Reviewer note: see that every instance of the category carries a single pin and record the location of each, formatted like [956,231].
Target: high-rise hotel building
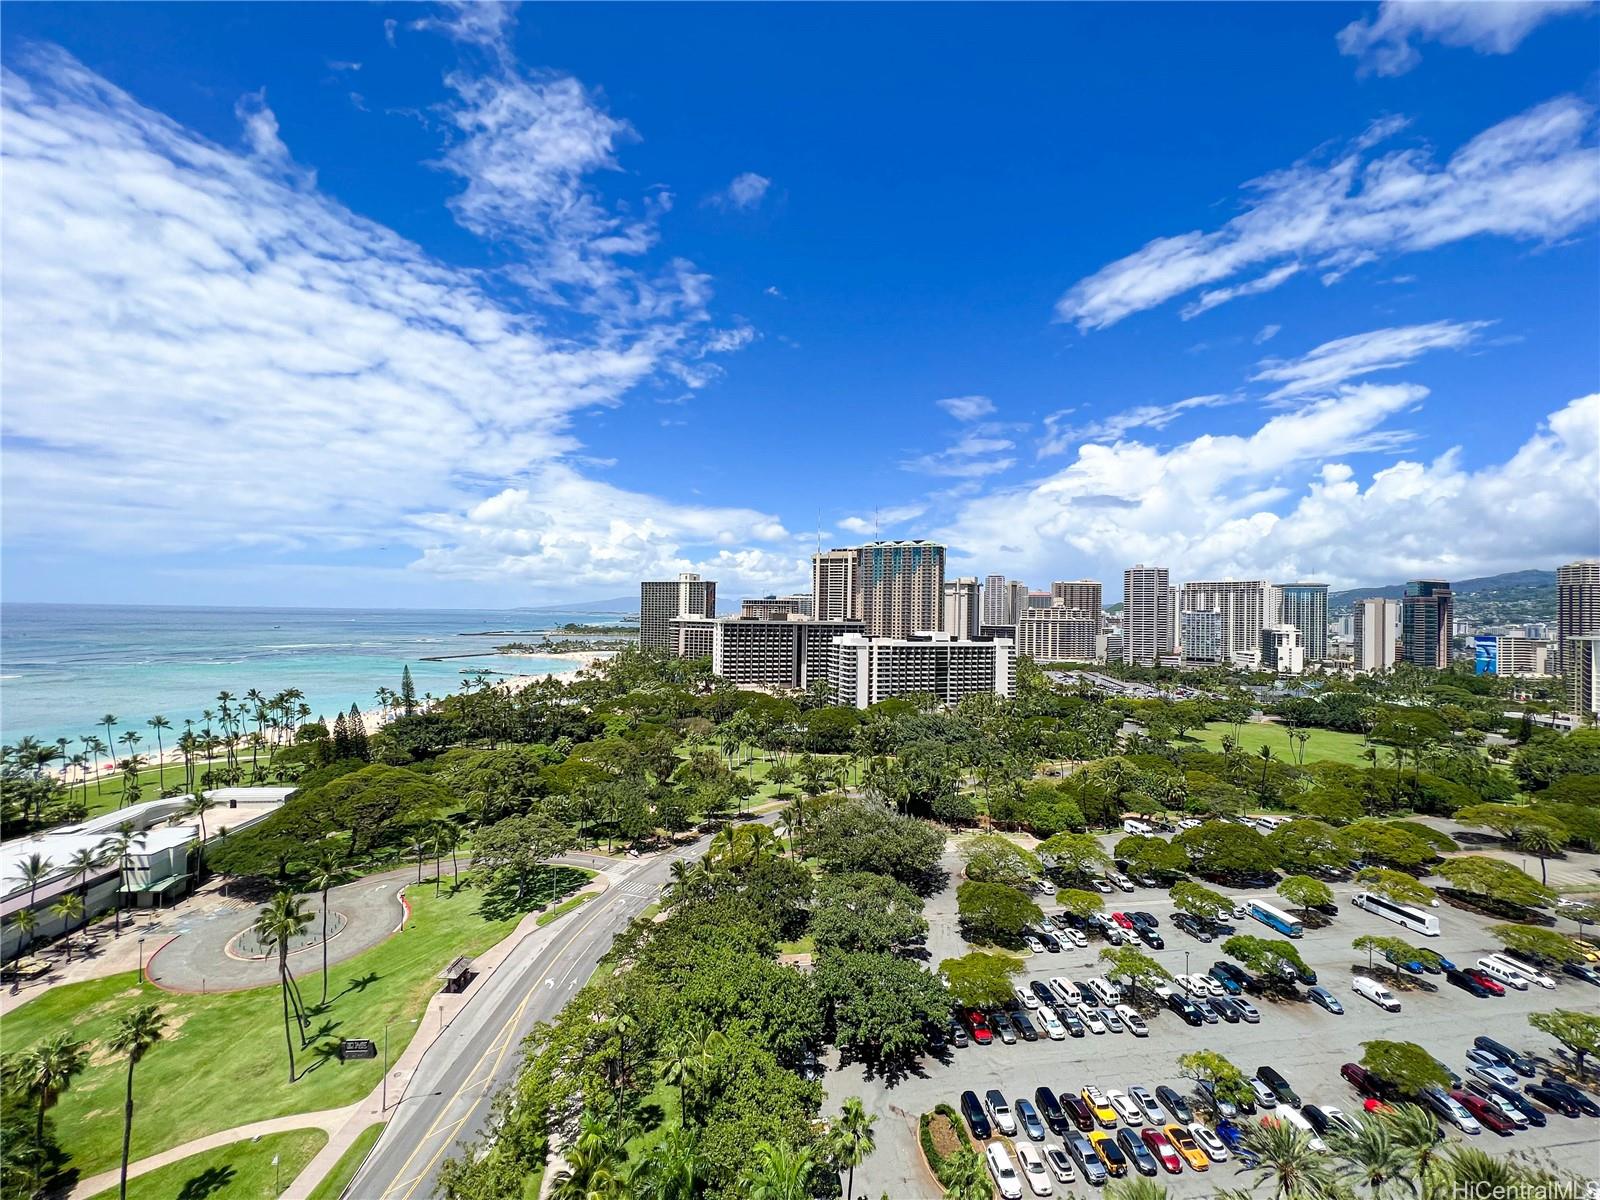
[995,600]
[1244,609]
[1060,634]
[1375,628]
[963,614]
[1082,594]
[864,670]
[1146,614]
[661,600]
[899,587]
[1305,606]
[833,585]
[1427,611]
[1578,617]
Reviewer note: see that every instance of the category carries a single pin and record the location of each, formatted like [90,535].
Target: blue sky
[409,305]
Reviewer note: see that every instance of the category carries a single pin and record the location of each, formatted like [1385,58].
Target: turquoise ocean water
[63,666]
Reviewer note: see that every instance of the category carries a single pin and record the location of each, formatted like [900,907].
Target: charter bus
[1401,914]
[1279,920]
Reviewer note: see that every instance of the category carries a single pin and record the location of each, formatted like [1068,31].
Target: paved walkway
[344,1125]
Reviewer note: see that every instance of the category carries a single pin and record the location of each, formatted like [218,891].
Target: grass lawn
[190,1083]
[1325,744]
[564,908]
[345,1169]
[240,1171]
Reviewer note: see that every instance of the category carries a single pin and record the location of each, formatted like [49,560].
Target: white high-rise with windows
[995,597]
[833,585]
[962,612]
[1243,605]
[1146,614]
[1376,632]
[1082,594]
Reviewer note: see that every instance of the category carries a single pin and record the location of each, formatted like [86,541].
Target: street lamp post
[141,962]
[1185,962]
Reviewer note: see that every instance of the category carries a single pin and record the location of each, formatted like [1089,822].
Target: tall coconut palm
[68,908]
[133,1036]
[93,746]
[279,922]
[82,861]
[966,1177]
[159,723]
[1289,1164]
[121,845]
[45,1071]
[325,872]
[852,1140]
[592,1171]
[33,871]
[1414,1130]
[1543,840]
[198,806]
[1373,1159]
[778,1171]
[24,921]
[110,720]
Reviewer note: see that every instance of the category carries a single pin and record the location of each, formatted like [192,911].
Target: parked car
[979,1025]
[1191,926]
[1450,1109]
[1147,1104]
[1127,1108]
[1364,985]
[1520,1063]
[1052,1027]
[1091,1018]
[1279,1085]
[1582,971]
[1000,1022]
[1028,1119]
[1225,1008]
[1530,1112]
[1066,990]
[1225,980]
[1034,1173]
[1467,984]
[1083,1153]
[1052,944]
[1033,943]
[1553,1099]
[1109,1153]
[1323,998]
[1123,920]
[1223,1108]
[1216,1150]
[1486,1114]
[977,1119]
[1152,939]
[1506,1108]
[1503,974]
[1159,1151]
[1202,1005]
[1060,1165]
[1486,981]
[1071,1020]
[1102,1108]
[1038,994]
[1055,1118]
[1004,1171]
[957,1033]
[1175,1104]
[1000,1112]
[1183,1142]
[1414,965]
[1233,1137]
[1249,1011]
[1131,1018]
[1044,887]
[1363,1080]
[1265,1097]
[1135,1151]
[1025,1026]
[1488,1066]
[1078,1112]
[1585,1103]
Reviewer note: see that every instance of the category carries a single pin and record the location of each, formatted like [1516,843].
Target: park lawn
[563,908]
[336,1180]
[1326,744]
[239,1171]
[190,1083]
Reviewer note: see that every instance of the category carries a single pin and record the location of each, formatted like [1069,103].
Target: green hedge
[936,1161]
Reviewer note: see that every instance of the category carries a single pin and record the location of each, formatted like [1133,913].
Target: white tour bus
[1413,919]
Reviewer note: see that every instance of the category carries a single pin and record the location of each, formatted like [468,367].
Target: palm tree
[120,845]
[1373,1159]
[1288,1161]
[108,721]
[591,1172]
[47,1070]
[33,871]
[133,1035]
[24,921]
[1135,1188]
[158,723]
[325,872]
[68,907]
[778,1172]
[966,1177]
[1413,1129]
[1266,756]
[198,806]
[283,919]
[94,746]
[1543,840]
[852,1140]
[83,861]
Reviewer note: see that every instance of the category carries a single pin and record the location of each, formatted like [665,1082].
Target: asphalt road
[448,1098]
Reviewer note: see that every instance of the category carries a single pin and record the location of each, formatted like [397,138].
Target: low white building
[863,670]
[1282,650]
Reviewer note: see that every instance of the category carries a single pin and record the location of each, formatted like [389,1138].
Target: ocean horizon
[64,666]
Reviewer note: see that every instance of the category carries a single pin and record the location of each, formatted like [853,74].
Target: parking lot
[1302,1041]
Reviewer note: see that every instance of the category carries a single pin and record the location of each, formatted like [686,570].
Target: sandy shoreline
[374,718]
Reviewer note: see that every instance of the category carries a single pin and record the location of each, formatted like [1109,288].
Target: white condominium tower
[661,600]
[863,670]
[833,585]
[1376,630]
[899,587]
[1243,605]
[995,596]
[1577,616]
[1082,594]
[1060,634]
[962,612]
[1146,614]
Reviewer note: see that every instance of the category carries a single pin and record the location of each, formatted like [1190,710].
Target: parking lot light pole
[1185,962]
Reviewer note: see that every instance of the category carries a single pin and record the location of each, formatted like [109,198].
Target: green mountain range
[1515,596]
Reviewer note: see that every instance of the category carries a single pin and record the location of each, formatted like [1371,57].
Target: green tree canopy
[864,912]
[1484,876]
[1540,943]
[993,912]
[1225,848]
[1076,855]
[1274,959]
[1304,892]
[1395,885]
[991,858]
[1080,903]
[1579,1032]
[1405,1065]
[1207,1066]
[1142,972]
[1152,857]
[862,835]
[882,1005]
[979,979]
[1308,846]
[1200,901]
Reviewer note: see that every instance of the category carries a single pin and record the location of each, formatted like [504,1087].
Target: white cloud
[1268,332]
[894,515]
[1332,363]
[1283,502]
[1060,437]
[967,408]
[1383,42]
[772,290]
[745,192]
[204,353]
[1254,287]
[1531,177]
[971,456]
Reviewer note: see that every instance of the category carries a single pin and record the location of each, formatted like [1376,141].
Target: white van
[1131,826]
[1268,824]
[1285,1113]
[1108,993]
[1004,1171]
[1532,974]
[1067,990]
[1376,992]
[1497,970]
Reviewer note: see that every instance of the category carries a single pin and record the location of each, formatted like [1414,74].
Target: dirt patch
[945,1139]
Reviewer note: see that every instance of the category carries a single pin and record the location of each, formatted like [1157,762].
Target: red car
[1360,1078]
[1375,1106]
[1488,1115]
[978,1024]
[1122,919]
[1487,982]
[1156,1142]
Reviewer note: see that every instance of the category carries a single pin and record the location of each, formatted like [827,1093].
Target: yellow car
[1110,1154]
[1104,1111]
[1183,1142]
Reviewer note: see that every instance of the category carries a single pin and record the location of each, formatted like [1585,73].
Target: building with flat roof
[963,611]
[690,636]
[1305,606]
[1201,640]
[1427,613]
[661,600]
[1060,634]
[899,587]
[1082,594]
[1146,614]
[995,598]
[1242,603]
[1577,604]
[1375,632]
[833,585]
[864,670]
[1282,650]
[1580,663]
[769,606]
[1513,655]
